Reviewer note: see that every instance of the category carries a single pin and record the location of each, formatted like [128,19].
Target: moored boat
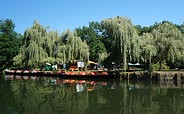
[68,74]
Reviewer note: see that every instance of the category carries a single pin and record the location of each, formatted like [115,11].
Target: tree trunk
[160,67]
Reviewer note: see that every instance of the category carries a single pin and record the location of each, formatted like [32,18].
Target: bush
[157,66]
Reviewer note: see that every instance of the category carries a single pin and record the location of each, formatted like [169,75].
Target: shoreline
[130,75]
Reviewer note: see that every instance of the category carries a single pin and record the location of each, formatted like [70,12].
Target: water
[46,95]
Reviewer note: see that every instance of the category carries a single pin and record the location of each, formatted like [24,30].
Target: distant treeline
[114,40]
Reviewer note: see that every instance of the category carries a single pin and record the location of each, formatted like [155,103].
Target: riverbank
[130,75]
[156,75]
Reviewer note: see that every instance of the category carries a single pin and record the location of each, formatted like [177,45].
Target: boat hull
[66,74]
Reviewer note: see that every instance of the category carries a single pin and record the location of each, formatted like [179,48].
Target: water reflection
[79,87]
[54,95]
[90,85]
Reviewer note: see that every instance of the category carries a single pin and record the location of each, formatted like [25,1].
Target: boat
[62,73]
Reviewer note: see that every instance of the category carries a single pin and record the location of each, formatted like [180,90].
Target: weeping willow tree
[102,57]
[148,49]
[74,48]
[51,43]
[32,51]
[40,46]
[168,41]
[126,44]
[51,47]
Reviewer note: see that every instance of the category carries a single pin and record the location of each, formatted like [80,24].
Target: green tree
[168,41]
[74,48]
[93,37]
[141,30]
[125,44]
[148,49]
[96,49]
[9,43]
[33,49]
[41,46]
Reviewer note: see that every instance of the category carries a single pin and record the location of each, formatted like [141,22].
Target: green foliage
[96,48]
[9,43]
[102,57]
[112,40]
[75,48]
[168,41]
[157,66]
[7,27]
[93,37]
[125,39]
[148,49]
[40,46]
[141,30]
[33,49]
[50,60]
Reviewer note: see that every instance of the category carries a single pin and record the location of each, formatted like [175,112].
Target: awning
[91,62]
[48,64]
[136,64]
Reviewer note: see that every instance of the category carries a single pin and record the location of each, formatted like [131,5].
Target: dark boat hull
[64,75]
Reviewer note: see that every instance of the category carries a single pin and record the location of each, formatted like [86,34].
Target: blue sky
[70,14]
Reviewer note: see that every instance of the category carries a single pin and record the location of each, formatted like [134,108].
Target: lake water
[46,95]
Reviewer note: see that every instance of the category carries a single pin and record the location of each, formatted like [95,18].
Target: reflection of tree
[144,97]
[149,99]
[6,96]
[31,97]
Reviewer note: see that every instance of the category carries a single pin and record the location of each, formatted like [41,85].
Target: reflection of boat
[90,85]
[90,88]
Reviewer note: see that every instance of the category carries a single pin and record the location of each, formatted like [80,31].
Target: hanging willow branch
[126,45]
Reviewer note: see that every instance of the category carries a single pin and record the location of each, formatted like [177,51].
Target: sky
[61,15]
